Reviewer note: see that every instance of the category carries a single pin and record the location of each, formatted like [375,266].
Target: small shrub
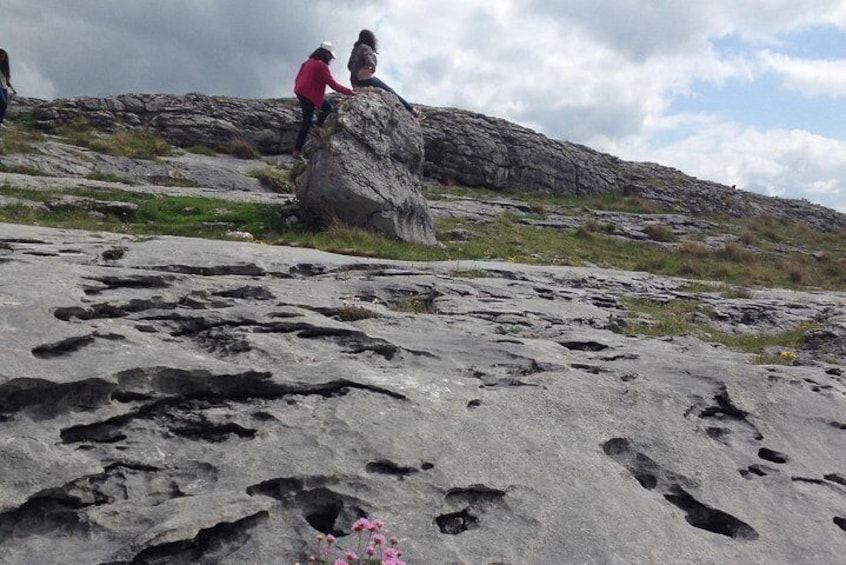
[275,180]
[114,253]
[354,310]
[242,149]
[737,292]
[765,226]
[734,251]
[695,249]
[416,305]
[200,149]
[746,238]
[795,271]
[660,232]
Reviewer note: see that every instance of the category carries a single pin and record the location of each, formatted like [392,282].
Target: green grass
[14,141]
[184,216]
[111,178]
[614,201]
[275,179]
[676,317]
[737,266]
[135,144]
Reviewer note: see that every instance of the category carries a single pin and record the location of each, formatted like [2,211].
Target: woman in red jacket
[310,87]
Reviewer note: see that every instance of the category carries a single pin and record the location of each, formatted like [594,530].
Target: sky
[749,93]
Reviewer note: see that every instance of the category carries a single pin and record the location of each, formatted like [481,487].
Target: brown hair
[323,54]
[366,37]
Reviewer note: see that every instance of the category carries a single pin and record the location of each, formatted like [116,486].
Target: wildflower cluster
[788,357]
[355,309]
[372,547]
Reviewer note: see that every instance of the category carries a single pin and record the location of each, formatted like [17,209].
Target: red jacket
[312,80]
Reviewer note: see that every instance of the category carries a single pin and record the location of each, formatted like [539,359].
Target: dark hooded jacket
[362,63]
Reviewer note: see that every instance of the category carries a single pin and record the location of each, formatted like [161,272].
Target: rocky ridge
[461,147]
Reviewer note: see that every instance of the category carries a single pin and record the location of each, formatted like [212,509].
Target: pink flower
[340,562]
[330,539]
[379,540]
[370,551]
[393,561]
[390,553]
[394,541]
[361,524]
[351,556]
[376,525]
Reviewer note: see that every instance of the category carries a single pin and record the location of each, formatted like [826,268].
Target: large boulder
[365,170]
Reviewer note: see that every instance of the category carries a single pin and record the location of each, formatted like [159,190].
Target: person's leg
[4,103]
[308,114]
[378,83]
[324,113]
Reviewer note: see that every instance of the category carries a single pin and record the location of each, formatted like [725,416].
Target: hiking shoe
[298,156]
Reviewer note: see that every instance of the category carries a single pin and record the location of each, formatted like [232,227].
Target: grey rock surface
[169,400]
[366,170]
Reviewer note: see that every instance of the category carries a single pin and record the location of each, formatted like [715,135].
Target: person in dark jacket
[5,84]
[310,87]
[362,66]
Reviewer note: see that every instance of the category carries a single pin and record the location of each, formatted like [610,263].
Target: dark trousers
[379,84]
[308,109]
[4,103]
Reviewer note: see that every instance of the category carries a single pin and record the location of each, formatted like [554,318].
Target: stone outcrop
[460,148]
[365,170]
[171,400]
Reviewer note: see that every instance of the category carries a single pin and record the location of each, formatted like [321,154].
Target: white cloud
[604,73]
[787,163]
[808,77]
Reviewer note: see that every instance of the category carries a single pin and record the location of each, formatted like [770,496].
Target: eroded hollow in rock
[457,522]
[710,519]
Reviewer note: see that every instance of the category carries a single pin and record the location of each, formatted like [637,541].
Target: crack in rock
[188,394]
[210,545]
[671,486]
[772,456]
[387,467]
[106,310]
[132,282]
[247,270]
[60,509]
[71,345]
[474,500]
[45,399]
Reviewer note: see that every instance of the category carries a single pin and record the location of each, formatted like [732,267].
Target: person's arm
[333,84]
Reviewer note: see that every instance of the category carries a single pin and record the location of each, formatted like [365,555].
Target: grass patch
[240,149]
[165,215]
[111,178]
[135,144]
[21,170]
[614,201]
[354,313]
[505,239]
[200,149]
[15,141]
[274,179]
[678,317]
